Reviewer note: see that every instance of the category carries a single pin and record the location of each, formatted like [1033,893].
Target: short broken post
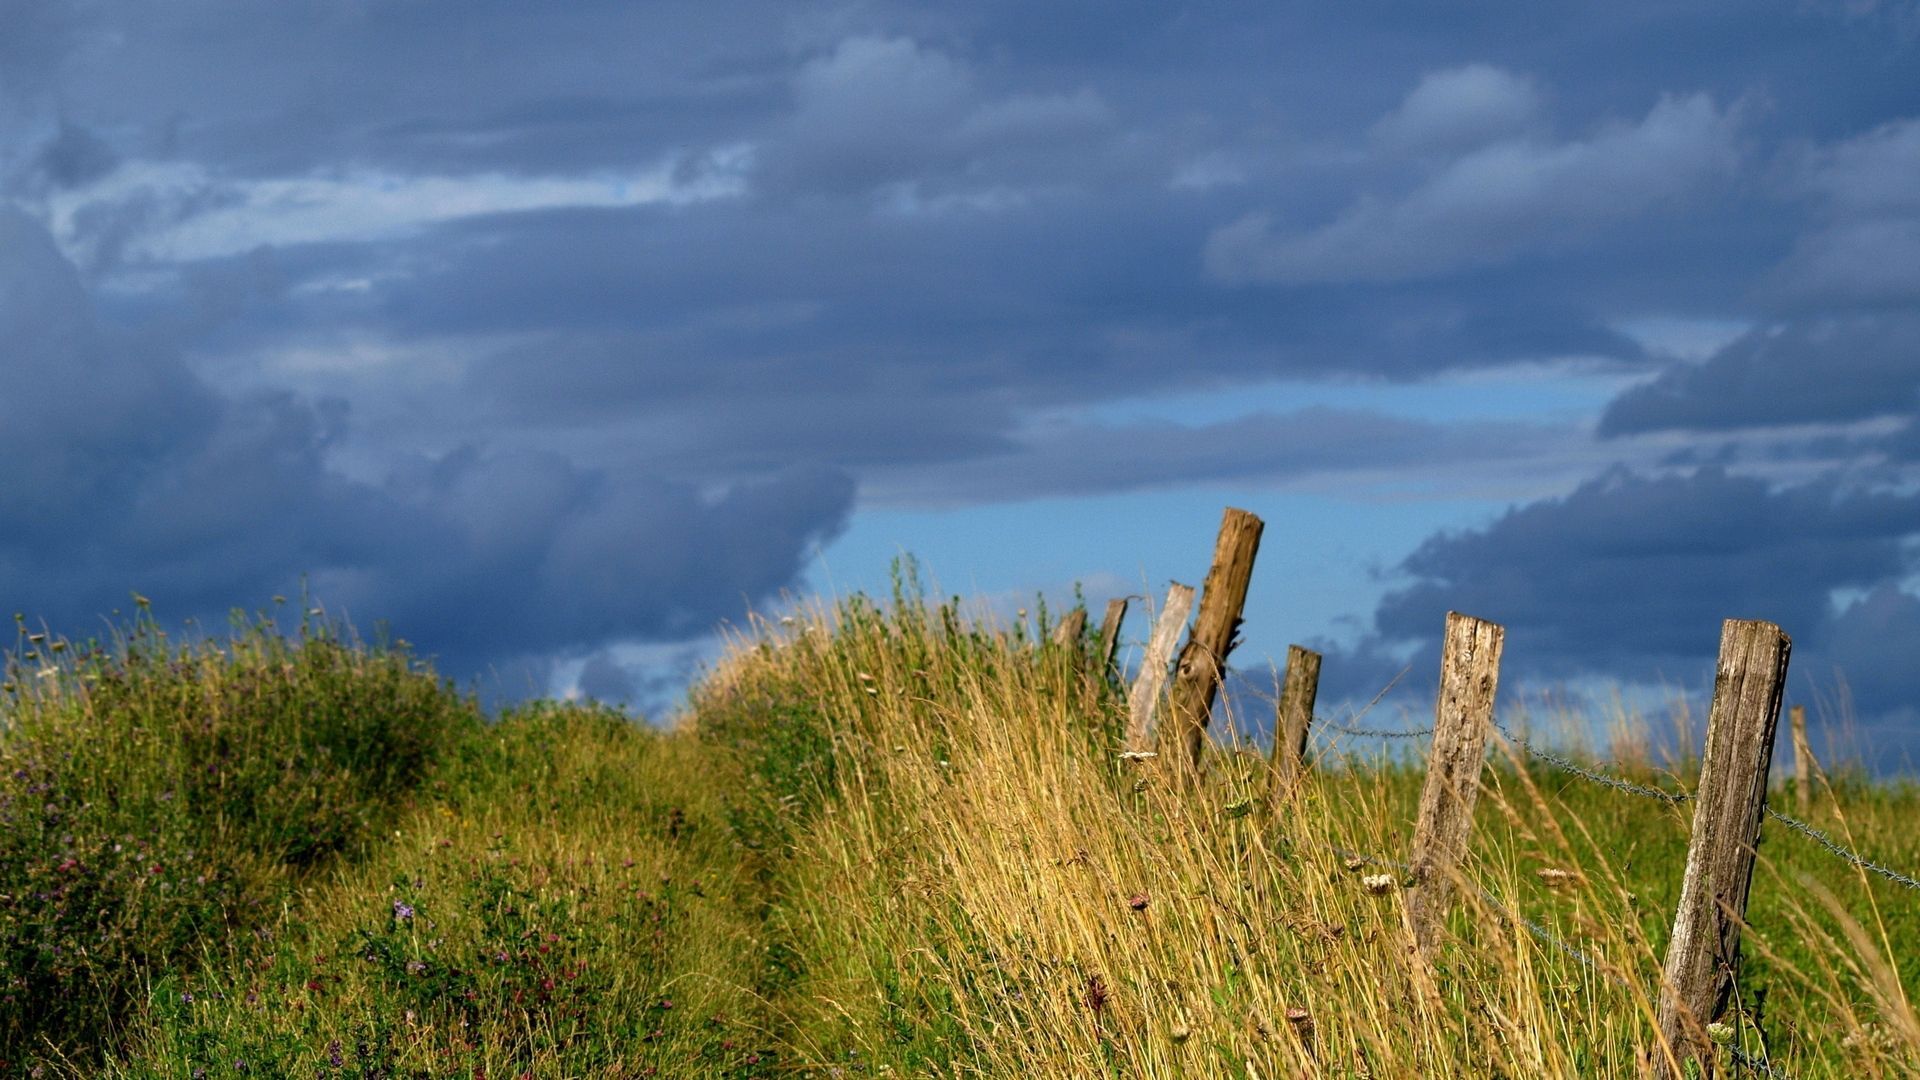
[1462,721]
[1203,662]
[1144,697]
[1291,719]
[1704,952]
[1802,760]
[1072,628]
[1110,635]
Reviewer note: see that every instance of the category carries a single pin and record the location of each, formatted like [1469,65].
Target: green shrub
[158,801]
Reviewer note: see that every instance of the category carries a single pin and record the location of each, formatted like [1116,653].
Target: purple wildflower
[402,910]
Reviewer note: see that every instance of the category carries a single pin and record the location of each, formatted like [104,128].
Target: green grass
[885,841]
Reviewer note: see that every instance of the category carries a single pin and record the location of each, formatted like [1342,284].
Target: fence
[1729,804]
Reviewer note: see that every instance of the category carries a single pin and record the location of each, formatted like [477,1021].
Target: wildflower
[186,998]
[1378,884]
[402,910]
[1097,996]
[1353,862]
[1719,1032]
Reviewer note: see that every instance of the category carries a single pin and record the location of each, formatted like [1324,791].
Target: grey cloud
[1071,459]
[604,680]
[75,156]
[1827,370]
[1865,248]
[1496,203]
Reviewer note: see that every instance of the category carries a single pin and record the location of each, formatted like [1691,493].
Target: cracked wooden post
[1144,696]
[1462,719]
[1702,955]
[1110,635]
[1802,760]
[1203,662]
[1072,628]
[1291,718]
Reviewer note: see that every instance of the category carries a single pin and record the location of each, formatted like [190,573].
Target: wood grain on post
[1197,675]
[1462,719]
[1292,717]
[1144,696]
[1802,760]
[1110,635]
[1072,628]
[1705,948]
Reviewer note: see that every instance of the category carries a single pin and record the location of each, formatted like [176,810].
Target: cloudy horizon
[554,338]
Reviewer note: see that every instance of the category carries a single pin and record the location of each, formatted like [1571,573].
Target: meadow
[886,838]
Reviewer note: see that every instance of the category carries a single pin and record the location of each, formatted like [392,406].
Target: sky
[554,337]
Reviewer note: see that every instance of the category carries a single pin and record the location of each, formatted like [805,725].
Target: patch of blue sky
[1324,562]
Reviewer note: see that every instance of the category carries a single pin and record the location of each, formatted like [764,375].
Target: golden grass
[989,889]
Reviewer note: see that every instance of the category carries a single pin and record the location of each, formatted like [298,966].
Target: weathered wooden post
[1073,626]
[1291,718]
[1144,695]
[1203,662]
[1110,635]
[1701,957]
[1462,720]
[1802,760]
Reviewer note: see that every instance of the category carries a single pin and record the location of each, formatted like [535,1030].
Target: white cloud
[1495,203]
[1458,109]
[206,216]
[879,87]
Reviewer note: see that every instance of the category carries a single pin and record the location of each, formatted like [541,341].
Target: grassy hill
[885,841]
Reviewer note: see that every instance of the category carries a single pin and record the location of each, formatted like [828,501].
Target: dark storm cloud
[127,471]
[1632,575]
[890,247]
[1810,371]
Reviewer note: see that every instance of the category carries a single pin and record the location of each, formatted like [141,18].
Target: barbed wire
[1373,733]
[1606,779]
[1839,852]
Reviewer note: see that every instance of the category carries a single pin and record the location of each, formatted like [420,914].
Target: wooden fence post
[1291,718]
[1204,660]
[1802,760]
[1110,635]
[1462,719]
[1144,696]
[1727,809]
[1073,626]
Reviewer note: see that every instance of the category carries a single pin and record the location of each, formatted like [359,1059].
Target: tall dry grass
[979,884]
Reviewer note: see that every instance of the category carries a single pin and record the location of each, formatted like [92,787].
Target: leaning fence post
[1145,693]
[1073,626]
[1462,719]
[1747,684]
[1291,718]
[1802,760]
[1110,635]
[1204,660]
